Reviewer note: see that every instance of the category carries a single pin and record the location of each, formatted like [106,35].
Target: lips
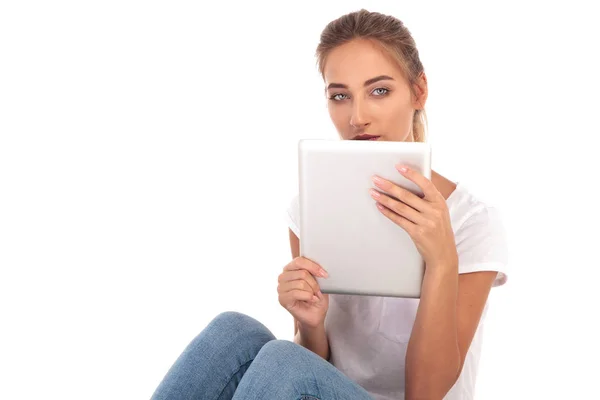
[365,136]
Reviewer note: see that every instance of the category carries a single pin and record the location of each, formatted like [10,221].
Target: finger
[398,207]
[305,263]
[399,220]
[301,274]
[403,195]
[429,190]
[298,295]
[322,296]
[298,284]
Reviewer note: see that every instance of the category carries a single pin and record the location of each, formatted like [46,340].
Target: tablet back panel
[341,229]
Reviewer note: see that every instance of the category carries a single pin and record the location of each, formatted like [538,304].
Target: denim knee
[281,349]
[296,373]
[289,359]
[238,325]
[233,318]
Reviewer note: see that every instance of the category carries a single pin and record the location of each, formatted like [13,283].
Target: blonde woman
[367,347]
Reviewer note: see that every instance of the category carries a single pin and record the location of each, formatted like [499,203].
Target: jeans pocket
[397,318]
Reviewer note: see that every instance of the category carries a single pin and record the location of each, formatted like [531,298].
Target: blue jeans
[236,357]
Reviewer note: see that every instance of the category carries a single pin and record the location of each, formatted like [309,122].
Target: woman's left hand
[426,219]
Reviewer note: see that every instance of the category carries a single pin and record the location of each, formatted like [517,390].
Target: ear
[420,89]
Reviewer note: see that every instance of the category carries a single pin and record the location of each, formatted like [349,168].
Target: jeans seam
[309,396]
[232,375]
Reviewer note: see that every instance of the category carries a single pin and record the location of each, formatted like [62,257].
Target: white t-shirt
[368,335]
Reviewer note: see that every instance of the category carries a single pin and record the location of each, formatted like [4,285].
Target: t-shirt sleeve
[482,246]
[293,216]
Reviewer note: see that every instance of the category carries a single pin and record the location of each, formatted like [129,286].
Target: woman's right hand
[299,292]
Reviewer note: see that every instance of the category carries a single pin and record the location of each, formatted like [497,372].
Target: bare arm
[447,318]
[451,304]
[313,339]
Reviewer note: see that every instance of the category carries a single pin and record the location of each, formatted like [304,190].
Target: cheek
[401,115]
[338,117]
[404,117]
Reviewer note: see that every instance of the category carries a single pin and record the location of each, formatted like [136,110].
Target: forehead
[358,60]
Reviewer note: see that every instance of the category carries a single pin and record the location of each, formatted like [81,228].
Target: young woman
[366,347]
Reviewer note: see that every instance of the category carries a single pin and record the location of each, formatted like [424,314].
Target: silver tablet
[342,230]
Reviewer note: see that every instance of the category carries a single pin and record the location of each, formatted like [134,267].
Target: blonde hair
[389,33]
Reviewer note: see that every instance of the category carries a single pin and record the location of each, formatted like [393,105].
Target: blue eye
[380,91]
[336,97]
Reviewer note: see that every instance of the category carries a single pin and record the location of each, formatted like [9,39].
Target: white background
[148,155]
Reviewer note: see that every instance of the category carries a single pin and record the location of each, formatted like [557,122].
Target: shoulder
[480,234]
[467,209]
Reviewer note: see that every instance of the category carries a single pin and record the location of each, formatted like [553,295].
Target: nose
[359,118]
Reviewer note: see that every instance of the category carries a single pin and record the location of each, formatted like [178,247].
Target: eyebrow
[367,82]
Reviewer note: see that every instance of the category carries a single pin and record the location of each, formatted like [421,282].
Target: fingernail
[315,298]
[319,293]
[375,194]
[377,180]
[323,273]
[401,168]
